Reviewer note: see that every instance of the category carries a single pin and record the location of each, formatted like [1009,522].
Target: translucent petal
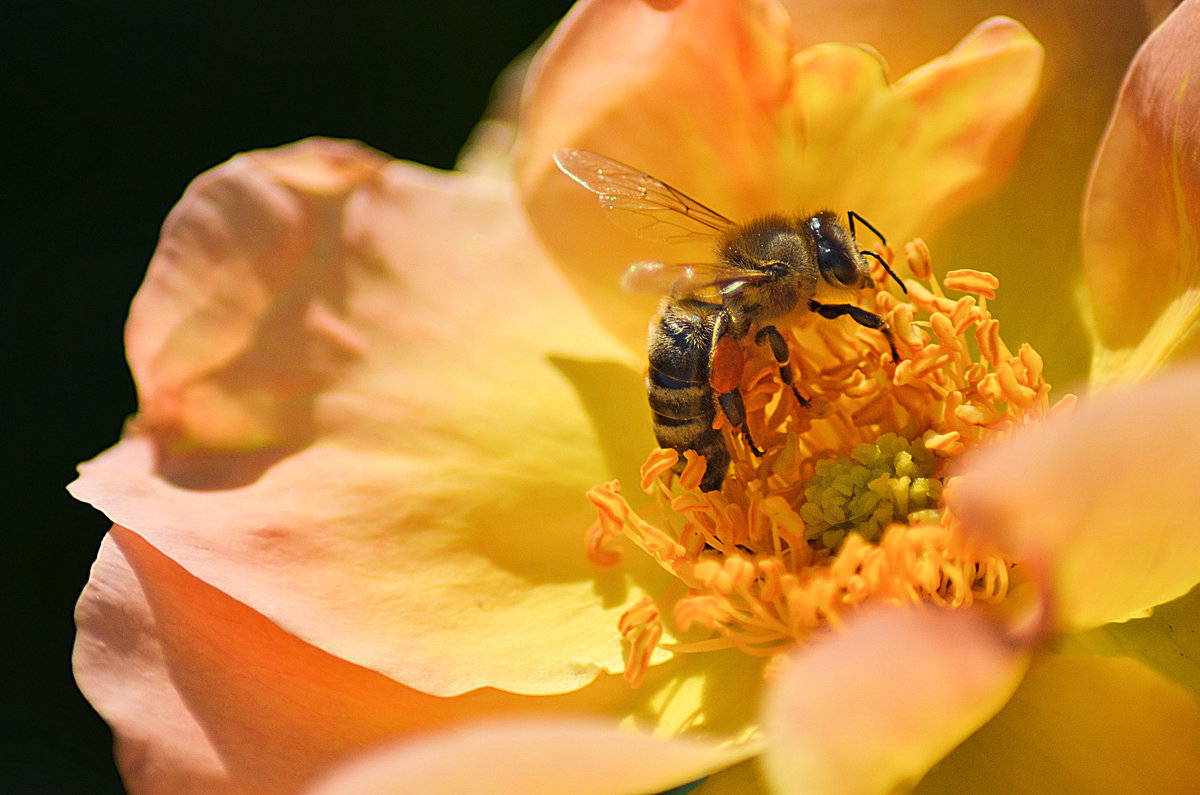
[1141,248]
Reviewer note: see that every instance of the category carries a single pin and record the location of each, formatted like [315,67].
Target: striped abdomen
[682,401]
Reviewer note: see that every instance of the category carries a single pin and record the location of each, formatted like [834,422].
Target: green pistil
[889,480]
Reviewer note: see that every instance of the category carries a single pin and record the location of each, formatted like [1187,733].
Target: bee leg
[725,375]
[735,411]
[779,349]
[860,316]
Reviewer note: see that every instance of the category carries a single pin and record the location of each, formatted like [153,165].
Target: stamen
[844,506]
[971,281]
[641,630]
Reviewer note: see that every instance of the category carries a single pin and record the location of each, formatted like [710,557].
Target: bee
[763,270]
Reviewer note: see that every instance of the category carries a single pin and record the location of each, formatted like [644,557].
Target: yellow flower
[351,508]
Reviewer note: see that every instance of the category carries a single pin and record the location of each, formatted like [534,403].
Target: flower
[350,508]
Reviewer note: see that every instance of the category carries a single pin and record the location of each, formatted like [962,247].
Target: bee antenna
[887,268]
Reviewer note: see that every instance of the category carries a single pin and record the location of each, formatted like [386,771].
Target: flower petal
[372,410]
[744,778]
[1166,640]
[972,106]
[711,97]
[1033,216]
[685,100]
[202,691]
[1081,724]
[871,710]
[1141,249]
[526,757]
[1100,503]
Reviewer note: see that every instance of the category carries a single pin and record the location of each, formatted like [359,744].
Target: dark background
[107,111]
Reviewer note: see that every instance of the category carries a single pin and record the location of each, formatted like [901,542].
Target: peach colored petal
[1081,724]
[236,325]
[871,710]
[712,97]
[678,89]
[372,412]
[206,694]
[1141,248]
[489,148]
[1100,503]
[527,757]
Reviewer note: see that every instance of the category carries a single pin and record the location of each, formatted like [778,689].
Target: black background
[107,111]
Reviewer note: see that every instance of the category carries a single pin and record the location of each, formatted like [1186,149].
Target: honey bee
[764,270]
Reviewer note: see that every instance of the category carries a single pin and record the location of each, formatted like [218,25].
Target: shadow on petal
[614,398]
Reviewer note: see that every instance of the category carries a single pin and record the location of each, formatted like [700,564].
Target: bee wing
[646,206]
[685,278]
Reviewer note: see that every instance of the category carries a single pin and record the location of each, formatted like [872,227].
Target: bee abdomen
[677,385]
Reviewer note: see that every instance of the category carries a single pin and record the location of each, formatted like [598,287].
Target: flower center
[889,480]
[843,505]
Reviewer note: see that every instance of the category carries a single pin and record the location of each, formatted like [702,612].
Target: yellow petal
[1081,724]
[744,778]
[711,97]
[528,757]
[1141,248]
[1168,641]
[1101,503]
[1033,218]
[371,412]
[970,111]
[871,710]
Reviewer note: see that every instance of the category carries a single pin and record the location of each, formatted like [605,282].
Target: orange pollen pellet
[728,361]
[844,505]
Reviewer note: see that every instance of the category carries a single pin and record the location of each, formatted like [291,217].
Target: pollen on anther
[972,281]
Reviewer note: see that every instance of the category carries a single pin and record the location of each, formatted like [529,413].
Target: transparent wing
[638,202]
[685,278]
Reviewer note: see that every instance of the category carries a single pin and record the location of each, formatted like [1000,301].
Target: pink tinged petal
[711,97]
[205,694]
[236,327]
[1141,248]
[1081,724]
[871,710]
[528,757]
[1101,503]
[401,487]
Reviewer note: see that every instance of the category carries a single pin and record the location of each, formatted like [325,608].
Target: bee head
[838,259]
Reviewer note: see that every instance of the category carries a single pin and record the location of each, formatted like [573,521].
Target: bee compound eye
[836,266]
